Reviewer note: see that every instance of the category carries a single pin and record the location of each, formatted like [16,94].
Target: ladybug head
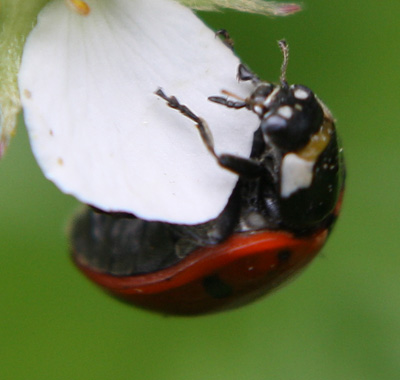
[293,114]
[289,115]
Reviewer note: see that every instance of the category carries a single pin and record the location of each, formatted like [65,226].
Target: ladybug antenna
[285,51]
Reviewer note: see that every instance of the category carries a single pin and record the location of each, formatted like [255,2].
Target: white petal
[98,130]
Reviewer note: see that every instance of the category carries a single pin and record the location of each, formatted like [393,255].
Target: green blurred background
[339,320]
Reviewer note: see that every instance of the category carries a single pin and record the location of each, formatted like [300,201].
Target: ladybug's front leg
[243,166]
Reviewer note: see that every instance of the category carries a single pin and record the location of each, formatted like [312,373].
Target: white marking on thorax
[296,174]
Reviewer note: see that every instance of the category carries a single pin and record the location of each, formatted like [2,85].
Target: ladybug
[279,216]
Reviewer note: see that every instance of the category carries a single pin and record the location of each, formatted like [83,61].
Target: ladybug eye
[274,126]
[276,130]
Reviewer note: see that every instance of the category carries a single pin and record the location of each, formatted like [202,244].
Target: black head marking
[294,115]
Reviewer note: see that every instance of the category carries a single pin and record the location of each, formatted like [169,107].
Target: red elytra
[220,277]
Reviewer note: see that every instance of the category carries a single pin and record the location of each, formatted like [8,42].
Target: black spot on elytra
[284,255]
[216,288]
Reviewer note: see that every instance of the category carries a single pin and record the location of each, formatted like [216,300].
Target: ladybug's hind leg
[239,165]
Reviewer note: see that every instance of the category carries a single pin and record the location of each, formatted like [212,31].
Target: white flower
[87,80]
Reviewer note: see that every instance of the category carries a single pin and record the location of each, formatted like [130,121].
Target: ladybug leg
[245,167]
[239,165]
[240,103]
[226,38]
[201,125]
[228,103]
[245,74]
